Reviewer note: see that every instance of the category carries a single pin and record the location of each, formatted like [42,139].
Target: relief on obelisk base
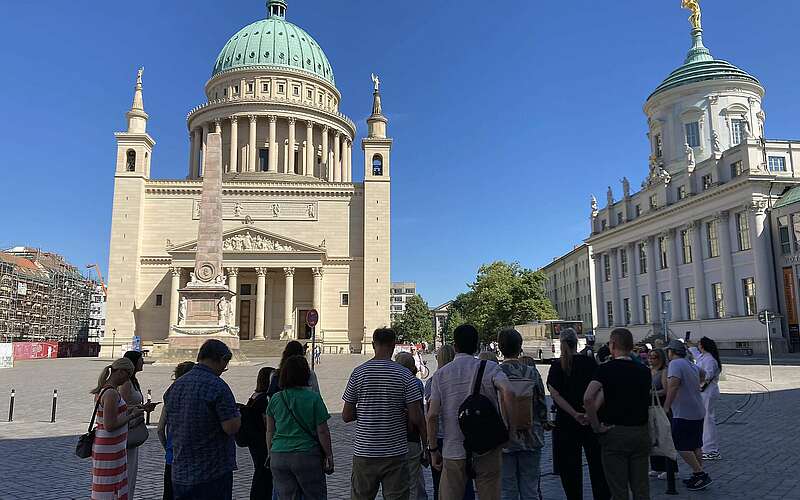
[205,302]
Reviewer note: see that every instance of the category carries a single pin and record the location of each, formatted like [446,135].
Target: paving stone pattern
[758,433]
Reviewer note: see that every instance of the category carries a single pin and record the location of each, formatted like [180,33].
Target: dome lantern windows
[130,164]
[377,165]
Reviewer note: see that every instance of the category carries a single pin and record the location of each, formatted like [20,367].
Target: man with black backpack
[465,394]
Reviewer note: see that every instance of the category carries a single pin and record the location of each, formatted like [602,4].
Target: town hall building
[298,232]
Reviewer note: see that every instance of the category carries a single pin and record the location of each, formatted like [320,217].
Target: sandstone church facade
[299,233]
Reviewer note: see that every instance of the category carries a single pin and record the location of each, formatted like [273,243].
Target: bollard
[671,467]
[11,407]
[55,404]
[149,400]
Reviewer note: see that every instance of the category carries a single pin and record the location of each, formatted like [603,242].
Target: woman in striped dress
[109,453]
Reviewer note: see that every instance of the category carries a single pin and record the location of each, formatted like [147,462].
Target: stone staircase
[254,349]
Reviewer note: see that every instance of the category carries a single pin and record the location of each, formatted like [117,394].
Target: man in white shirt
[450,386]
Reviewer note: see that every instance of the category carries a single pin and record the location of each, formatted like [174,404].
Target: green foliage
[454,319]
[502,295]
[416,323]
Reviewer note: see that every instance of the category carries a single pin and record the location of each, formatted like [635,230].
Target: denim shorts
[687,434]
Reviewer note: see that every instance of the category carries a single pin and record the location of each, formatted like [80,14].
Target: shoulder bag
[84,447]
[661,444]
[307,431]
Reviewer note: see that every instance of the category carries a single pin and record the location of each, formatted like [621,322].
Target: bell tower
[377,149]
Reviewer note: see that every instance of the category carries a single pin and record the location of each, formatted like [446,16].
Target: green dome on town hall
[274,42]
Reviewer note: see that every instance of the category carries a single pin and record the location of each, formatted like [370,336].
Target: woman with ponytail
[710,363]
[567,382]
[109,453]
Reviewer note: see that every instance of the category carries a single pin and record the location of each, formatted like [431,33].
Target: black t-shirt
[626,388]
[573,386]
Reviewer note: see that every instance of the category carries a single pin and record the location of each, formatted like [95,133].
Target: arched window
[377,165]
[131,162]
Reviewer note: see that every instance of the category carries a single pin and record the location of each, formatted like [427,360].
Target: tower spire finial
[276,8]
[376,122]
[137,118]
[698,52]
[138,101]
[695,18]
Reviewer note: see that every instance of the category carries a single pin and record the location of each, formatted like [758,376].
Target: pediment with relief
[252,240]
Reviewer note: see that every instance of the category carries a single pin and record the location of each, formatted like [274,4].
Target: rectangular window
[410,290]
[310,94]
[719,303]
[627,306]
[749,289]
[265,88]
[619,218]
[783,234]
[659,146]
[245,289]
[296,91]
[693,134]
[662,250]
[159,300]
[344,299]
[682,192]
[610,313]
[707,180]
[642,258]
[653,202]
[713,239]
[736,132]
[691,303]
[281,88]
[250,88]
[638,210]
[623,260]
[686,244]
[235,89]
[743,231]
[607,267]
[225,92]
[736,169]
[645,309]
[776,164]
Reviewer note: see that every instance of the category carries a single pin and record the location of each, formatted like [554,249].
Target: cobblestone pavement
[758,432]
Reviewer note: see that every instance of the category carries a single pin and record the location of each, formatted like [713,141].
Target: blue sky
[506,115]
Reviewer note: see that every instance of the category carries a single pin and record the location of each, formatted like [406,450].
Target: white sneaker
[654,473]
[662,476]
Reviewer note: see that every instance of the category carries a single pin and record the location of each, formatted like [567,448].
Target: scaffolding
[42,297]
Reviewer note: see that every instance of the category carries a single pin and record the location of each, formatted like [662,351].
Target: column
[234,167]
[633,287]
[251,150]
[191,154]
[310,148]
[326,170]
[674,278]
[348,159]
[599,280]
[290,163]
[619,320]
[337,155]
[273,145]
[174,296]
[233,284]
[762,257]
[261,289]
[318,272]
[700,288]
[205,142]
[655,306]
[729,288]
[288,305]
[270,294]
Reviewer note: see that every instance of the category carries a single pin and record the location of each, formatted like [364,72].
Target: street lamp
[113,341]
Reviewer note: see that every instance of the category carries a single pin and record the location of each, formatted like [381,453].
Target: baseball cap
[677,346]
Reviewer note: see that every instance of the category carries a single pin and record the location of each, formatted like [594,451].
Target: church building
[299,233]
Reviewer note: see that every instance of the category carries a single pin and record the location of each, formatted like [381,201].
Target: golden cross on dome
[694,7]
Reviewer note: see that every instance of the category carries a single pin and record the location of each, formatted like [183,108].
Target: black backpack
[252,430]
[480,422]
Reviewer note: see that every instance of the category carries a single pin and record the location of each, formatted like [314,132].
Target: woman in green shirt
[298,436]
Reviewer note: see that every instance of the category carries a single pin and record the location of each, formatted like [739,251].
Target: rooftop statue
[694,6]
[139,74]
[376,81]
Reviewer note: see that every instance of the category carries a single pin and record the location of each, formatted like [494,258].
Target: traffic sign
[312,318]
[766,315]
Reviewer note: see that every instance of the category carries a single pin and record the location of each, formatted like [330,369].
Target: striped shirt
[381,390]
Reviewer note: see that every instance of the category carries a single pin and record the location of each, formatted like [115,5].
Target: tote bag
[661,444]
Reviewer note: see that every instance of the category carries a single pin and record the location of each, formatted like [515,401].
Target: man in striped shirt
[383,398]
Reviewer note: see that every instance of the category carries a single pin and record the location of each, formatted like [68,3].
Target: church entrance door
[303,330]
[244,320]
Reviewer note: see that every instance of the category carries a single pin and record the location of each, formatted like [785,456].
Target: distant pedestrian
[451,386]
[620,392]
[261,487]
[131,392]
[567,382]
[203,418]
[293,348]
[709,361]
[688,412]
[383,399]
[109,454]
[444,355]
[658,373]
[165,438]
[298,436]
[415,457]
[522,454]
[317,354]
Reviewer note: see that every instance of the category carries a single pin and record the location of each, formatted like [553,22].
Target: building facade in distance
[299,231]
[400,293]
[569,285]
[693,246]
[97,314]
[785,219]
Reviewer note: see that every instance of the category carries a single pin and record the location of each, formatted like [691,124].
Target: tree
[416,323]
[454,320]
[502,295]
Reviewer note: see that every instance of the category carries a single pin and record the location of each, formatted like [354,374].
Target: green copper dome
[274,42]
[700,66]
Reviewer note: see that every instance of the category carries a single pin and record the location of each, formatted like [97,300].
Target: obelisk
[205,302]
